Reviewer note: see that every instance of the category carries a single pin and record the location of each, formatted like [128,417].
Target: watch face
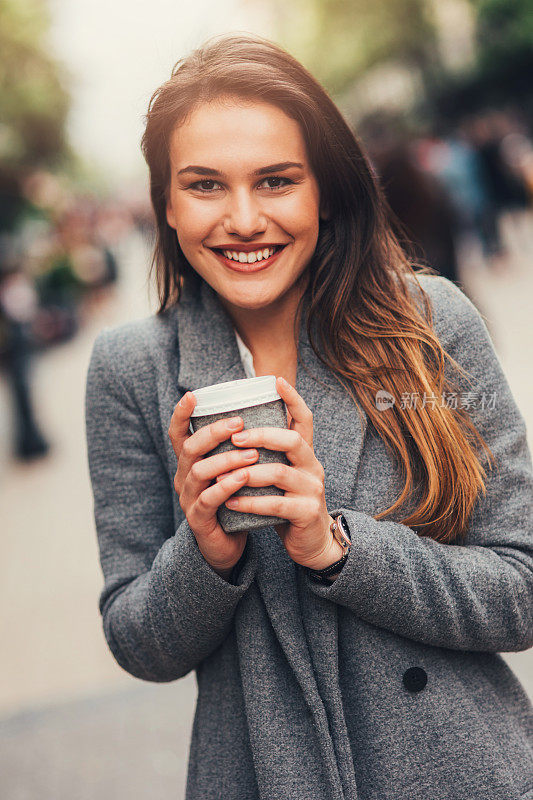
[344,528]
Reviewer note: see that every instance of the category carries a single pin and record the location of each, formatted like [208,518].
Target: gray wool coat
[386,685]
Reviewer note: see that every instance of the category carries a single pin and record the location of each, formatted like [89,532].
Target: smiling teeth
[249,258]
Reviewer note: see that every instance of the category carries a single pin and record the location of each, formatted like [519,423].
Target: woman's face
[241,183]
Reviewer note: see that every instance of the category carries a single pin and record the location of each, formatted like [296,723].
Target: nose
[244,216]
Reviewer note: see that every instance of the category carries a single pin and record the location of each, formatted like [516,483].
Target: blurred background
[440,93]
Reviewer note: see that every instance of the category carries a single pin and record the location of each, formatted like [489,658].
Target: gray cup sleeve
[273,414]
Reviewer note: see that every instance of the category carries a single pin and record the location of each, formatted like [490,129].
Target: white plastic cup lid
[232,395]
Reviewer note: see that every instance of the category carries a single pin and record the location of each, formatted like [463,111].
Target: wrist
[224,570]
[331,552]
[340,533]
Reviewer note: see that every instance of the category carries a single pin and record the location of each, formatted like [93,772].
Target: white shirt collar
[246,357]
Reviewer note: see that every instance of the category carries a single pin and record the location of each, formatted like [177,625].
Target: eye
[278,178]
[202,188]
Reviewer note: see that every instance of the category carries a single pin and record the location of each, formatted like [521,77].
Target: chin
[251,305]
[249,299]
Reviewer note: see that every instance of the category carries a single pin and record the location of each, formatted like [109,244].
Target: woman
[321,674]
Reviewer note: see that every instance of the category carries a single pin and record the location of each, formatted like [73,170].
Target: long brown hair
[373,335]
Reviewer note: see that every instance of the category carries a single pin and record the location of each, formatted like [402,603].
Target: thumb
[179,424]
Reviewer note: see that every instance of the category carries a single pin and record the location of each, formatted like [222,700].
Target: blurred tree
[501,74]
[33,101]
[505,47]
[340,40]
[33,105]
[363,51]
[504,28]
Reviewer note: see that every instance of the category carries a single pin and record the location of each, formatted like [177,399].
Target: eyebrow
[261,171]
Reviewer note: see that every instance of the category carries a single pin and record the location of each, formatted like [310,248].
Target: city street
[74,725]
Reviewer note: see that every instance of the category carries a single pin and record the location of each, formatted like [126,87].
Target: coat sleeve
[473,596]
[163,608]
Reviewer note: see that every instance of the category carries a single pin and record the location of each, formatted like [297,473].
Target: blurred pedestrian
[18,309]
[460,169]
[420,201]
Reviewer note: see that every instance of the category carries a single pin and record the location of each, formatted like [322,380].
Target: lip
[247,248]
[240,266]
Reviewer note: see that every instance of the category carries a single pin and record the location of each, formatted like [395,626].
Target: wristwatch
[341,534]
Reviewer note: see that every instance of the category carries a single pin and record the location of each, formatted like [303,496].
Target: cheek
[193,221]
[303,216]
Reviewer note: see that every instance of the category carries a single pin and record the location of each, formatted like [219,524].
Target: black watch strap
[321,575]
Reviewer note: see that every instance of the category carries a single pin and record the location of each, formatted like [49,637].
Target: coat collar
[207,344]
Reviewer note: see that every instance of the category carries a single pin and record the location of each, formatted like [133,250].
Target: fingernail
[233,423]
[249,453]
[284,382]
[240,475]
[183,399]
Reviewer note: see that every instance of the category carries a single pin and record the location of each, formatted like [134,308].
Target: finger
[222,476]
[289,508]
[302,416]
[178,429]
[205,470]
[196,445]
[298,451]
[284,477]
[207,503]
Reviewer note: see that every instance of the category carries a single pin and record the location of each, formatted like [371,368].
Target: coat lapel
[338,434]
[209,354]
[338,425]
[207,344]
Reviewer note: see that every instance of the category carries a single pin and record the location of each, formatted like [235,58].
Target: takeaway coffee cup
[258,403]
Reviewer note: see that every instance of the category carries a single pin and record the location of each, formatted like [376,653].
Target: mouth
[240,261]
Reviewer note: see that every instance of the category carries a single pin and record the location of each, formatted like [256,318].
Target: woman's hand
[194,475]
[306,536]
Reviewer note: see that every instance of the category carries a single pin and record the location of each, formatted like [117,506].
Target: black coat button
[415,678]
